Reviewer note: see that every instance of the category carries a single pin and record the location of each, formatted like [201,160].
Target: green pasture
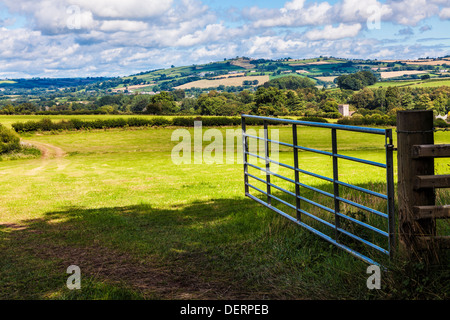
[293,74]
[140,227]
[413,83]
[305,61]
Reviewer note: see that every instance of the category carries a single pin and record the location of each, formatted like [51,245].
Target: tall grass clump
[9,140]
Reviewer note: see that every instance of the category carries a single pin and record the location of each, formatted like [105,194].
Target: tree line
[297,96]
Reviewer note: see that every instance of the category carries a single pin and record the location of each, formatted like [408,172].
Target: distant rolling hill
[247,73]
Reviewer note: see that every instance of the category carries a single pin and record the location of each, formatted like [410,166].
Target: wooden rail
[432,181]
[423,182]
[431,151]
[417,183]
[432,212]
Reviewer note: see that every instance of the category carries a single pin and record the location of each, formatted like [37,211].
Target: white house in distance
[344,109]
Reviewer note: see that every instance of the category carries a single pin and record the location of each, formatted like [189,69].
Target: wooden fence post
[414,128]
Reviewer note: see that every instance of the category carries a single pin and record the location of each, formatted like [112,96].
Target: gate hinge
[391,146]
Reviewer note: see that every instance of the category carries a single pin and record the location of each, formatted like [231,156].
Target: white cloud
[444,14]
[360,10]
[331,33]
[294,14]
[211,33]
[411,12]
[110,55]
[217,51]
[123,25]
[441,2]
[17,42]
[272,46]
[293,5]
[316,14]
[124,8]
[113,37]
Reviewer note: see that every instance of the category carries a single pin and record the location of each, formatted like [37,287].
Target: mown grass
[413,83]
[140,227]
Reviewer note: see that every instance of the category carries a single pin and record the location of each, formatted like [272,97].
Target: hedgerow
[369,120]
[314,119]
[9,140]
[77,124]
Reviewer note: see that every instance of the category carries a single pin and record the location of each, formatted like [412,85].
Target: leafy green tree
[106,109]
[439,105]
[349,83]
[356,81]
[162,103]
[363,98]
[293,102]
[379,99]
[423,102]
[140,103]
[330,106]
[8,109]
[178,94]
[393,98]
[26,107]
[245,97]
[270,96]
[407,100]
[188,105]
[108,100]
[367,77]
[290,83]
[209,105]
[228,109]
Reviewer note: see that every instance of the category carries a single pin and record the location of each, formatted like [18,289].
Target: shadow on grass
[218,249]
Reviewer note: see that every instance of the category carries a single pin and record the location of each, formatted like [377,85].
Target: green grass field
[413,83]
[140,227]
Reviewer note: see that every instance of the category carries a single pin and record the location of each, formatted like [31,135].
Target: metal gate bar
[337,199]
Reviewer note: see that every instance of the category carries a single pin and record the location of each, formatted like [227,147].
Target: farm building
[344,109]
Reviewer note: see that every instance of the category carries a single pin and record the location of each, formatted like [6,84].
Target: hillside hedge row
[369,120]
[77,124]
[381,120]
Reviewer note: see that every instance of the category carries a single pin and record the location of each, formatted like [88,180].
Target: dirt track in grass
[151,278]
[49,154]
[48,151]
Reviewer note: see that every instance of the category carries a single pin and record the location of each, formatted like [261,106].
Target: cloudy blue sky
[69,38]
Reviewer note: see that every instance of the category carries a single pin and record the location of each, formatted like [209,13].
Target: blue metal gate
[270,196]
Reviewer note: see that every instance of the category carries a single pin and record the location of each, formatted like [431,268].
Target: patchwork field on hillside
[234,81]
[395,74]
